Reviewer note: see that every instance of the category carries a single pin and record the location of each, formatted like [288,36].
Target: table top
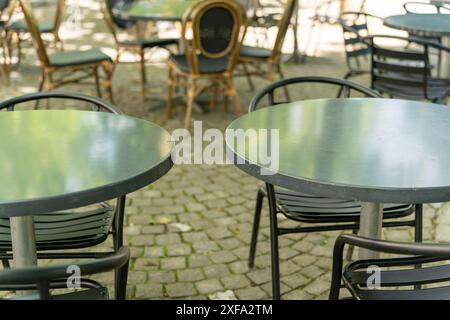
[155,10]
[58,159]
[372,150]
[432,24]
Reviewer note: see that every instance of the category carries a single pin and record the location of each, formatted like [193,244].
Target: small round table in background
[56,160]
[432,25]
[155,10]
[370,150]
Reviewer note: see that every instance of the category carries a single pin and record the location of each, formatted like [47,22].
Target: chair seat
[254,52]
[74,58]
[21,26]
[438,90]
[149,42]
[62,230]
[356,276]
[313,209]
[206,65]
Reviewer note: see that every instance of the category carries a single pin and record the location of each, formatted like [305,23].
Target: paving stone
[205,246]
[235,282]
[222,257]
[169,238]
[252,293]
[216,271]
[153,251]
[153,229]
[181,289]
[180,249]
[198,260]
[164,276]
[190,275]
[173,263]
[149,290]
[208,286]
[259,276]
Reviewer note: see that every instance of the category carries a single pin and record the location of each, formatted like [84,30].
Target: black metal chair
[75,229]
[134,44]
[421,274]
[320,213]
[44,279]
[406,74]
[355,27]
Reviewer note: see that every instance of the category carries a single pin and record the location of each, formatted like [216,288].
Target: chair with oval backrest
[134,44]
[71,66]
[406,74]
[420,271]
[315,213]
[262,62]
[20,30]
[44,279]
[72,229]
[217,28]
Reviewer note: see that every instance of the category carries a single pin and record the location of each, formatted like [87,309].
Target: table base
[370,226]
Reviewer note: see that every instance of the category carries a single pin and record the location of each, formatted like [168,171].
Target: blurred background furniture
[132,43]
[45,279]
[70,66]
[399,278]
[217,29]
[316,213]
[406,74]
[262,62]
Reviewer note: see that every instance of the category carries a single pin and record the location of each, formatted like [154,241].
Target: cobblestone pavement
[189,232]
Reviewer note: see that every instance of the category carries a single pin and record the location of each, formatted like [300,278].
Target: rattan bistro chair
[257,61]
[217,28]
[74,229]
[44,279]
[314,213]
[70,66]
[421,273]
[406,74]
[20,30]
[136,45]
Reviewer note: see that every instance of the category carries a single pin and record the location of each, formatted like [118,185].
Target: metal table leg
[445,58]
[370,226]
[23,244]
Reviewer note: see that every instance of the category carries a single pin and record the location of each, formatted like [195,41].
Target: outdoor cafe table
[370,150]
[432,25]
[54,160]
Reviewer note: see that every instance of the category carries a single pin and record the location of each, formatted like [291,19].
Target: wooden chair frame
[269,68]
[66,73]
[179,78]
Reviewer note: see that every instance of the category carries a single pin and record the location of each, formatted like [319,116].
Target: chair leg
[231,91]
[256,221]
[121,279]
[108,70]
[215,92]
[281,75]
[190,103]
[274,242]
[143,75]
[418,227]
[170,83]
[248,76]
[351,249]
[97,82]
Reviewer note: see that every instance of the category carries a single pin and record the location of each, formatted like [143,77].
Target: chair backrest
[283,26]
[410,69]
[345,89]
[4,4]
[35,32]
[423,7]
[417,255]
[96,103]
[217,28]
[42,278]
[116,21]
[354,29]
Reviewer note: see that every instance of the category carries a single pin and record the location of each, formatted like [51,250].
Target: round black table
[59,159]
[370,150]
[428,25]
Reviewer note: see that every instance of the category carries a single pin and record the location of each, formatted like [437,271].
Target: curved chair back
[283,26]
[96,103]
[423,7]
[45,278]
[409,69]
[405,276]
[116,21]
[4,4]
[217,28]
[344,87]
